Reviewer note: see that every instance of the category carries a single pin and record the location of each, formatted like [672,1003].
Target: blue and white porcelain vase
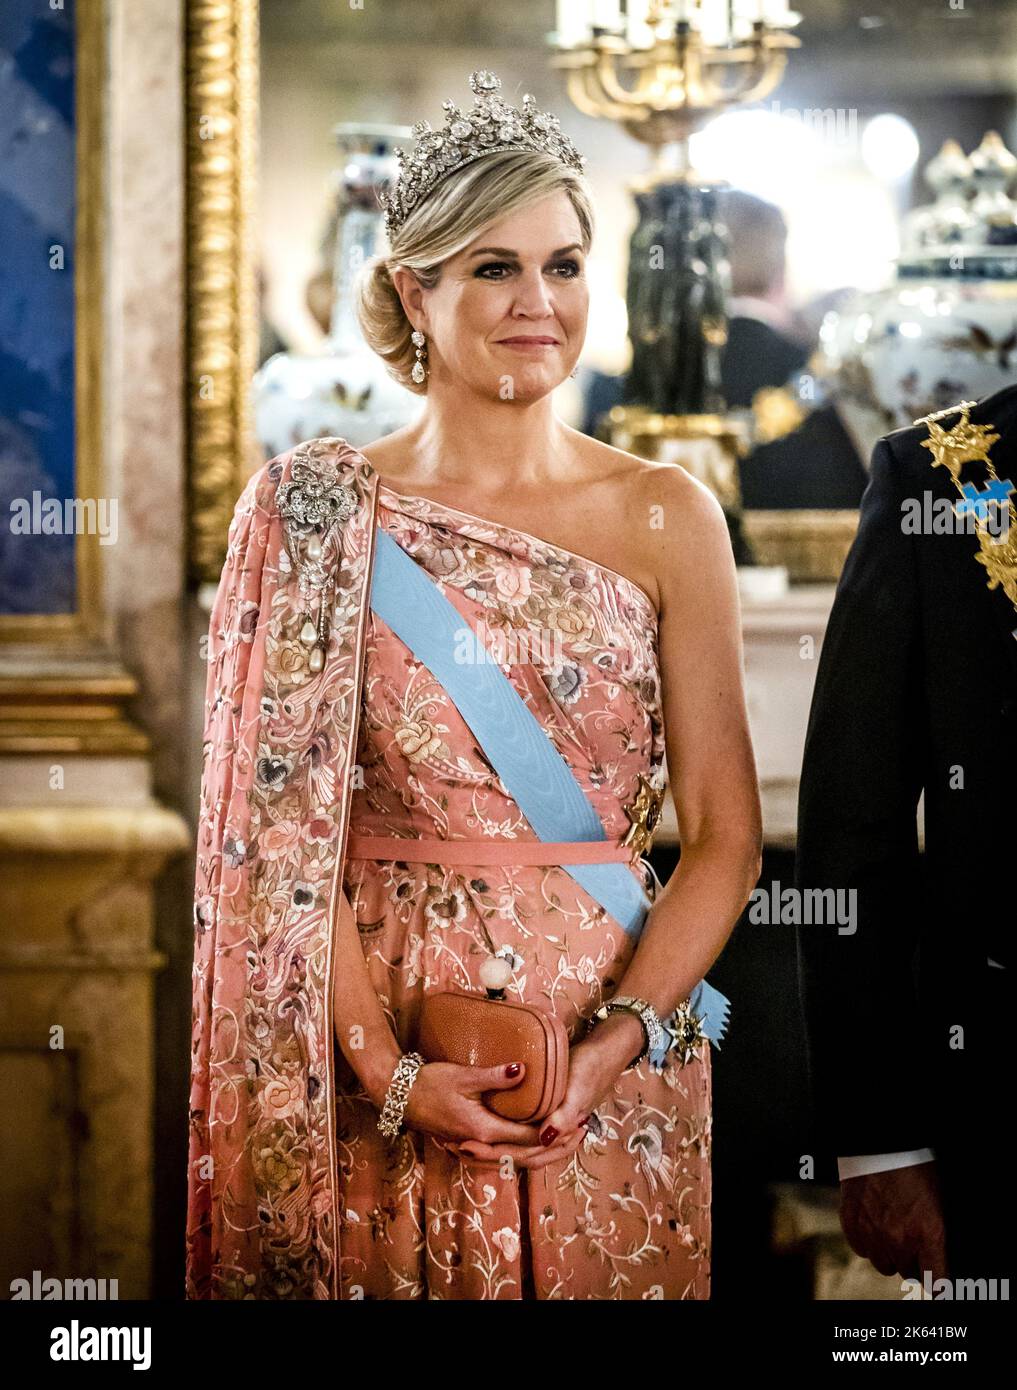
[946,329]
[345,389]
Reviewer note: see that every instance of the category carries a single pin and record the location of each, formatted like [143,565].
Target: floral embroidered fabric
[627,1215]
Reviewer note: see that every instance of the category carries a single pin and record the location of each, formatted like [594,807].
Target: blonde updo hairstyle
[444,224]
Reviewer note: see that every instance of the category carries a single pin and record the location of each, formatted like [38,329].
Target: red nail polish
[513,1069]
[548,1135]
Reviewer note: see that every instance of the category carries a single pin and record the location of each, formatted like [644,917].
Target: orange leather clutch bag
[473,1031]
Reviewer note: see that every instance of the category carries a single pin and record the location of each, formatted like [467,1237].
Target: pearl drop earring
[419,371]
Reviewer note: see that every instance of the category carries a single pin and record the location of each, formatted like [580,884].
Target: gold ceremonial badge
[644,813]
[952,449]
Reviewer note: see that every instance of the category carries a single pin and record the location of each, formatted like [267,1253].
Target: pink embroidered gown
[628,1215]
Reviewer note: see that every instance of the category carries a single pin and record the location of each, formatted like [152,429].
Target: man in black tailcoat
[907,1009]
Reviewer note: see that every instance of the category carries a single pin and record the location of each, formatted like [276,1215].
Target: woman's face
[508,316]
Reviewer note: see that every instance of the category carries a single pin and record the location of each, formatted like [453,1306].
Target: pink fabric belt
[487,851]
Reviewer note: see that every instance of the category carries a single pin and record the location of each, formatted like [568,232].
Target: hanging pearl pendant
[316,661]
[419,371]
[308,634]
[314,546]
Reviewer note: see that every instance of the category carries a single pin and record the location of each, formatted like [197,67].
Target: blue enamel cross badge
[978,500]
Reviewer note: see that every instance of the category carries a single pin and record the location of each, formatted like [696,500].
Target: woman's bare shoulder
[670,523]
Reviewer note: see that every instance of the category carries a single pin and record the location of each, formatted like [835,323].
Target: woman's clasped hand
[446,1101]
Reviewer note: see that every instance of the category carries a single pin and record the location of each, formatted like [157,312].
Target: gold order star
[1000,563]
[644,813]
[965,443]
[968,443]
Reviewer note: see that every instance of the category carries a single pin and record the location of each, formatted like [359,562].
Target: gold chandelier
[690,58]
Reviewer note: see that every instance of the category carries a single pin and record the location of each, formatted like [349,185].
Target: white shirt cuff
[859,1165]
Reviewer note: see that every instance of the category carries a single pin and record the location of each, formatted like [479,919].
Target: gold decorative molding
[811,543]
[75,711]
[137,831]
[642,424]
[112,962]
[221,115]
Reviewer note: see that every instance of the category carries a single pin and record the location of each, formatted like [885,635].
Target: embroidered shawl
[279,742]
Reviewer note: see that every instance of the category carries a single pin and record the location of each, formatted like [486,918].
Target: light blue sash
[532,770]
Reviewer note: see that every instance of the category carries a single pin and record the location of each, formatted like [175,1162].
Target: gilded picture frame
[221,97]
[79,628]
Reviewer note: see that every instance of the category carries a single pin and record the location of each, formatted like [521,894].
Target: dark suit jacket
[916,688]
[756,355]
[815,466]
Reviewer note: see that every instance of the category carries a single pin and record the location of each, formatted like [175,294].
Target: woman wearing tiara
[363,845]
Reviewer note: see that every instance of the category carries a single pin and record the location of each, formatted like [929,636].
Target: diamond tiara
[490,127]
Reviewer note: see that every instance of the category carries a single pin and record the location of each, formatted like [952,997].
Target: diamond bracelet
[391,1119]
[647,1015]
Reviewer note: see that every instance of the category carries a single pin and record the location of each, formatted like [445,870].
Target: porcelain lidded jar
[344,390]
[946,329]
